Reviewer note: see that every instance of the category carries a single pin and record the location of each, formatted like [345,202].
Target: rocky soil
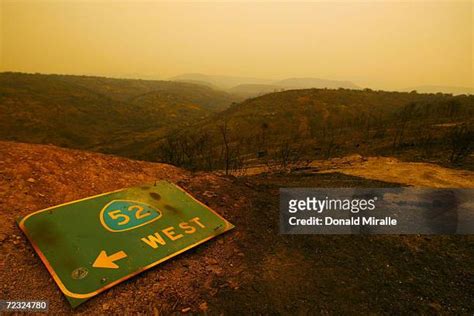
[249,270]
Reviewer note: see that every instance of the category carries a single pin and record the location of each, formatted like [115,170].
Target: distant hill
[97,113]
[222,82]
[181,123]
[127,89]
[252,90]
[307,83]
[322,123]
[442,89]
[284,110]
[199,82]
[325,105]
[252,87]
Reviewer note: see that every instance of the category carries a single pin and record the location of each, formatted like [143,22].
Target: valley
[295,127]
[198,127]
[201,128]
[99,114]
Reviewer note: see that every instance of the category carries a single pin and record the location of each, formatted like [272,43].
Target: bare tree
[168,151]
[453,107]
[461,142]
[224,130]
[263,134]
[330,139]
[404,116]
[287,156]
[426,141]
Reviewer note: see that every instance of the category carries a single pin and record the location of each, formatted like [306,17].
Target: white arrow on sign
[105,261]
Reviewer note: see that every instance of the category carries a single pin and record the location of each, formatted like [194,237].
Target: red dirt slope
[34,177]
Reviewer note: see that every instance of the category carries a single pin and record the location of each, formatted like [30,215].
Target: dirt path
[386,169]
[393,170]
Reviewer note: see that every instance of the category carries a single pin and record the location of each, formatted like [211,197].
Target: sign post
[92,244]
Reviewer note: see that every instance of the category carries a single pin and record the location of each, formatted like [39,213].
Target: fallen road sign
[92,244]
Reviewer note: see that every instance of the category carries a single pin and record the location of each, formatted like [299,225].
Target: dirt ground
[249,270]
[393,170]
[386,169]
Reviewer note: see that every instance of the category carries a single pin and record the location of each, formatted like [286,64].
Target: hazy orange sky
[379,44]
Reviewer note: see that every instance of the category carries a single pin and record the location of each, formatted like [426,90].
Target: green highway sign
[92,244]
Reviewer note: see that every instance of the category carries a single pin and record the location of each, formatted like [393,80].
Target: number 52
[125,218]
